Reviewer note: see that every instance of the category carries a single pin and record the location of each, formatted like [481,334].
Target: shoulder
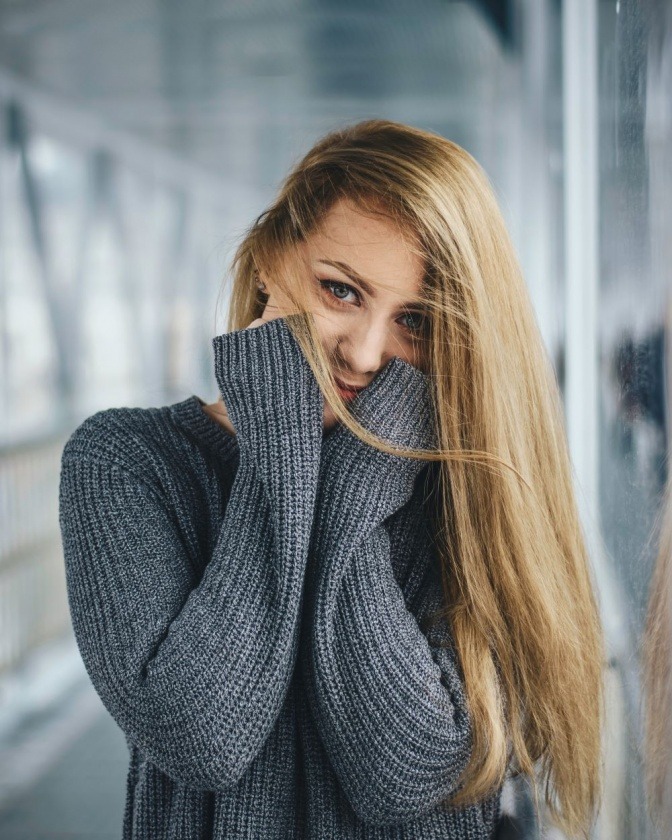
[117,435]
[141,465]
[143,442]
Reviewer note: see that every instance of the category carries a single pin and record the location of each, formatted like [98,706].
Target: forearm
[390,706]
[194,674]
[195,671]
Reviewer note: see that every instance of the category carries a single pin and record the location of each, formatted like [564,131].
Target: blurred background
[137,142]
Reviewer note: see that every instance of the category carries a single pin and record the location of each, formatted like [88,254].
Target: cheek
[421,359]
[329,331]
[331,326]
[409,353]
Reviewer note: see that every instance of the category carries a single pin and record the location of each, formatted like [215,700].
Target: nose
[365,350]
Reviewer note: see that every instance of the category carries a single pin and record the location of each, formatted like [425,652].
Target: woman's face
[363,325]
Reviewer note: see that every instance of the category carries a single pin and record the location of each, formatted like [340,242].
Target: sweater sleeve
[389,701]
[196,675]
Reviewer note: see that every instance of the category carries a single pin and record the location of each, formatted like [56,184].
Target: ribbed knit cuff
[264,378]
[397,407]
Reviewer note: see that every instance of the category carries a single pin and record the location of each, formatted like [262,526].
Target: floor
[80,794]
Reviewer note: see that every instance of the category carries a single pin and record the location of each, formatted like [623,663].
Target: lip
[347,395]
[344,386]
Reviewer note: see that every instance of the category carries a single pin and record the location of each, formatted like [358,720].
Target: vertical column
[580,106]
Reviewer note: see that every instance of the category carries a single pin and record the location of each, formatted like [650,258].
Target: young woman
[351,596]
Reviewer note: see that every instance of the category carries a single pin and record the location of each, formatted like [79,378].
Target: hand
[397,406]
[218,410]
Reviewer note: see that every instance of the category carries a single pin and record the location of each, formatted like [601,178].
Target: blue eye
[420,323]
[330,285]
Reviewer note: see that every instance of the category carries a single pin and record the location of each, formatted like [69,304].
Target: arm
[196,675]
[388,701]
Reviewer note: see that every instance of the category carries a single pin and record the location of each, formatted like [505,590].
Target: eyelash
[327,284]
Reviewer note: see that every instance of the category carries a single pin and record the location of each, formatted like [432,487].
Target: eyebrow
[353,275]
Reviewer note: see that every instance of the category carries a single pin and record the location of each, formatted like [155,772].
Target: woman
[351,595]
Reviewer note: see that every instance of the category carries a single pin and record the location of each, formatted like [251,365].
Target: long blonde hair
[656,651]
[516,577]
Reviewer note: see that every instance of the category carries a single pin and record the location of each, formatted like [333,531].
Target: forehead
[376,247]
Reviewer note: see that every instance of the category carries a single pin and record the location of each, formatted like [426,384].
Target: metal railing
[33,601]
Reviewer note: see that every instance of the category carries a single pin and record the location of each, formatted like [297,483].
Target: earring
[260,285]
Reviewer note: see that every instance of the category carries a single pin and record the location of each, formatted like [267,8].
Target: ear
[277,304]
[271,309]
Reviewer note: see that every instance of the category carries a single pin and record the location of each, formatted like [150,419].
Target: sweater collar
[190,415]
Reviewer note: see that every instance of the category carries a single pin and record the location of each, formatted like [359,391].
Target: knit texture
[252,609]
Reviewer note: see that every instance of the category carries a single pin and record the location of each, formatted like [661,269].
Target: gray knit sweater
[252,609]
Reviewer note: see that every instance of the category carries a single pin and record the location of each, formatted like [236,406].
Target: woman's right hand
[217,411]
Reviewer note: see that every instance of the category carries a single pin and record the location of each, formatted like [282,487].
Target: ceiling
[243,87]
